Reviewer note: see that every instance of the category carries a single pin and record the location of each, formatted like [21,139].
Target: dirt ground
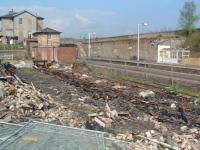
[119,108]
[73,94]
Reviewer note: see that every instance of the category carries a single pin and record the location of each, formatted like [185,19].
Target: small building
[62,54]
[49,47]
[47,37]
[17,26]
[171,51]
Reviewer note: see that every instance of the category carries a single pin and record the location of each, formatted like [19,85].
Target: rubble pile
[155,118]
[20,102]
[147,117]
[159,137]
[7,69]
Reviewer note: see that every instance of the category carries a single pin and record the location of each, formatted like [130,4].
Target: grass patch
[96,72]
[26,70]
[11,47]
[182,90]
[186,91]
[136,80]
[121,77]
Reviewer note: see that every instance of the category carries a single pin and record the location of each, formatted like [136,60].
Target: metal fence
[43,136]
[166,74]
[6,56]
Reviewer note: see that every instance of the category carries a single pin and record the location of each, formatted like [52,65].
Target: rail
[167,67]
[173,75]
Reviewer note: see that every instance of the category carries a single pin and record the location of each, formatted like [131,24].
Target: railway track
[176,67]
[178,75]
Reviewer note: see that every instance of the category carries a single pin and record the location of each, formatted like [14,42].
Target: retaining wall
[17,54]
[191,61]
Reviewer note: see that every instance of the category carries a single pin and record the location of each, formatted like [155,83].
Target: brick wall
[67,54]
[59,54]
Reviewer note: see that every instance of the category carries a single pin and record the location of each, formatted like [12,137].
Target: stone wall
[29,25]
[40,24]
[191,61]
[17,54]
[195,54]
[125,47]
[7,27]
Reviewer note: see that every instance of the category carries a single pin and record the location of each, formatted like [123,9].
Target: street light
[89,43]
[138,52]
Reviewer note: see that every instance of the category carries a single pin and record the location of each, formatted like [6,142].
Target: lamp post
[89,43]
[138,51]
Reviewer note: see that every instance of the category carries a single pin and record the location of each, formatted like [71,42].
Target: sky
[77,18]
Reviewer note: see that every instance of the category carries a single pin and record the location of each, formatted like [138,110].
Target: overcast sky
[75,18]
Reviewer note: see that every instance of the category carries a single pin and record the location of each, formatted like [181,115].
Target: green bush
[193,42]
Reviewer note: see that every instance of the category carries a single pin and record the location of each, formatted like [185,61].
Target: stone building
[17,26]
[49,47]
[47,37]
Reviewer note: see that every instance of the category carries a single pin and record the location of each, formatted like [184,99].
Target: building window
[49,36]
[174,55]
[20,21]
[29,35]
[185,54]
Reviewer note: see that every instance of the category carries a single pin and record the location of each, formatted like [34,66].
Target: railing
[163,73]
[162,66]
[6,56]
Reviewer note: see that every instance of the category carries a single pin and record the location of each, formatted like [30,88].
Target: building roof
[173,43]
[13,14]
[10,15]
[47,30]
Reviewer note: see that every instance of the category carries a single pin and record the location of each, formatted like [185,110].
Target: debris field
[143,115]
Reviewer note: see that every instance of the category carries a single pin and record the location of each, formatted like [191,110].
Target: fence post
[172,76]
[111,67]
[145,71]
[126,73]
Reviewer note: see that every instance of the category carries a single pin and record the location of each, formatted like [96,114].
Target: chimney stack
[11,11]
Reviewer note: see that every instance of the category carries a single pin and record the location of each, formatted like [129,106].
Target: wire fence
[42,136]
[167,75]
